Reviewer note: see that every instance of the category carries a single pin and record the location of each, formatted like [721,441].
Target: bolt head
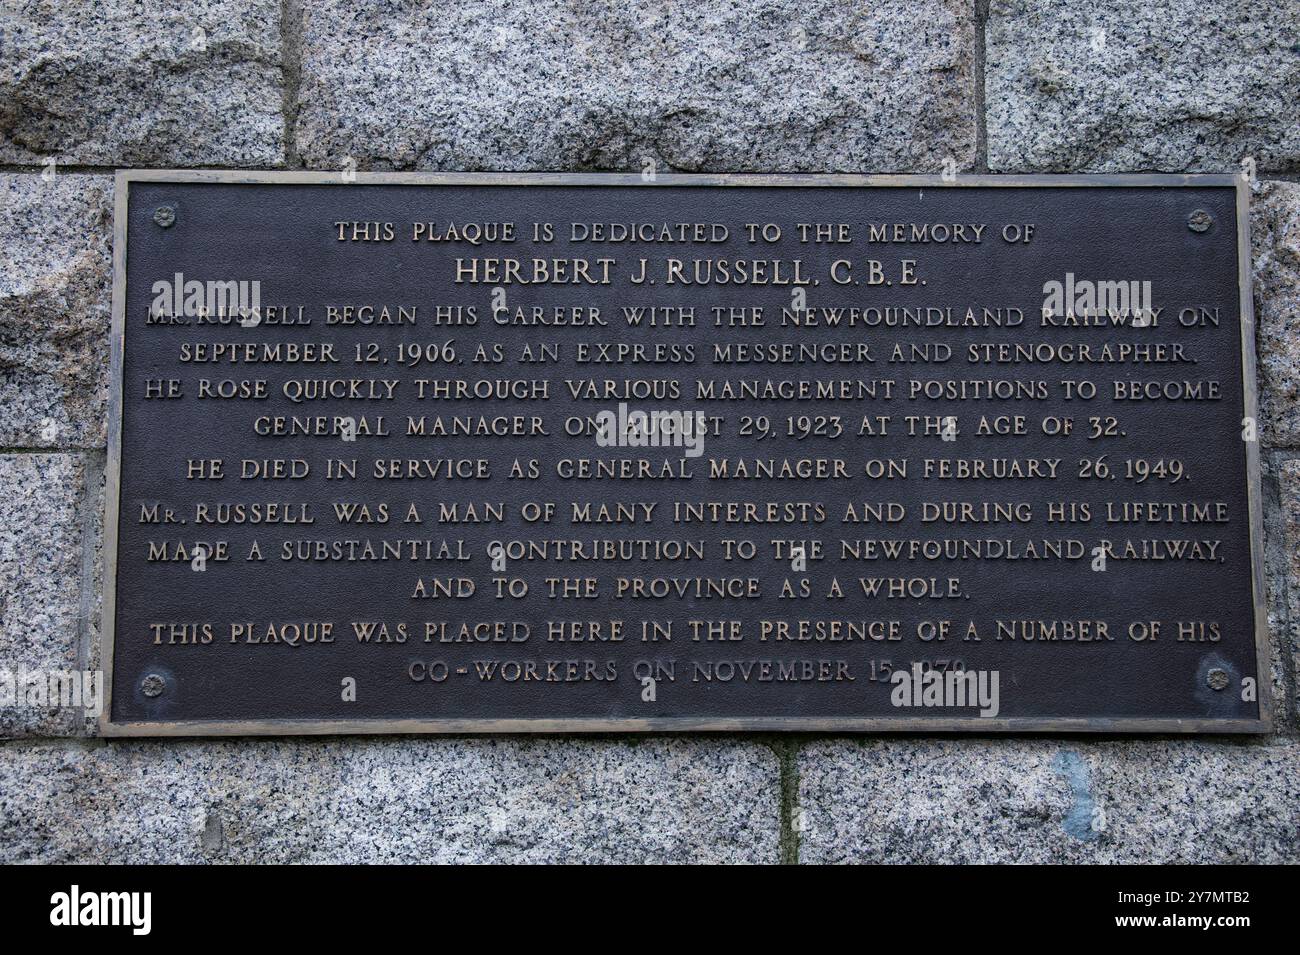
[152,685]
[1199,220]
[164,216]
[1217,679]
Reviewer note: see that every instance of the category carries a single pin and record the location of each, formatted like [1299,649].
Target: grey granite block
[55,309]
[1275,241]
[1128,86]
[41,612]
[389,800]
[116,83]
[768,86]
[987,801]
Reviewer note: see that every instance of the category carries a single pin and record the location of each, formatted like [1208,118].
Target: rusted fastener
[164,216]
[152,685]
[1217,679]
[1199,220]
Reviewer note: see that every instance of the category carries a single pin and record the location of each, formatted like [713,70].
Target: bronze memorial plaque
[550,452]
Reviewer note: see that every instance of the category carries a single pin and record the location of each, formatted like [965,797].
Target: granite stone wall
[695,85]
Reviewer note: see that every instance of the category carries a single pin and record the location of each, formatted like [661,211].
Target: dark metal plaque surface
[497,453]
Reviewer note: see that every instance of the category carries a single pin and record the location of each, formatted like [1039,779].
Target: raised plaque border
[999,725]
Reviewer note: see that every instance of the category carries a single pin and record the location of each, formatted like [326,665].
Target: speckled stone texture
[1041,801]
[767,86]
[42,618]
[119,83]
[55,309]
[389,800]
[1275,242]
[1131,86]
[1288,475]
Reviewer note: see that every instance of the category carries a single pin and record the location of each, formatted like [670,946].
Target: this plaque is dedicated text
[546,452]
